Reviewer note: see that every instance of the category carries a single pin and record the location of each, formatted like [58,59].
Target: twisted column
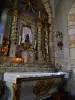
[39,41]
[46,45]
[47,56]
[13,35]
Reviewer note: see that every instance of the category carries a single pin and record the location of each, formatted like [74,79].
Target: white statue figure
[27,35]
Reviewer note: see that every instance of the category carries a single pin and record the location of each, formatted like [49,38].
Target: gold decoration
[42,87]
[39,41]
[46,44]
[13,36]
[25,18]
[16,90]
[39,34]
[27,46]
[46,47]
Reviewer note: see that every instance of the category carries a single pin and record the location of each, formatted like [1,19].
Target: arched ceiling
[72,10]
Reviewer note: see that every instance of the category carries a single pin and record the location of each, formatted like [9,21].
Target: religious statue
[27,38]
[59,40]
[25,44]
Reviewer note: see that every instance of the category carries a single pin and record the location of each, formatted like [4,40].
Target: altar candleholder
[19,40]
[25,59]
[39,13]
[25,56]
[59,37]
[35,44]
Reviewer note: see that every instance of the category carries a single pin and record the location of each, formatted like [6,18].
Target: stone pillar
[39,41]
[13,34]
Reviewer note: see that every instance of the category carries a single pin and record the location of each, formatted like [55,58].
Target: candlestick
[35,44]
[39,13]
[47,49]
[19,40]
[1,39]
[25,56]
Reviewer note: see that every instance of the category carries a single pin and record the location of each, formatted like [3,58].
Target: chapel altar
[25,52]
[25,41]
[33,85]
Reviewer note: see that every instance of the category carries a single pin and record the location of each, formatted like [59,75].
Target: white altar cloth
[12,76]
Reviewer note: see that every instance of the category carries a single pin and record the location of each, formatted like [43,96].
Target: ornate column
[39,41]
[16,89]
[47,25]
[51,42]
[13,34]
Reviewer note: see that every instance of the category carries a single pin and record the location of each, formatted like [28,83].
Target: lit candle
[47,49]
[39,13]
[19,40]
[1,39]
[35,44]
[25,59]
[25,56]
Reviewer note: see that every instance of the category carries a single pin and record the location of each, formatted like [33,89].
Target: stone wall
[61,24]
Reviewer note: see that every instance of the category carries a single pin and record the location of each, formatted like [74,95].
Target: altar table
[33,85]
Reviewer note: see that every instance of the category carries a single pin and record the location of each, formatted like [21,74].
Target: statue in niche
[59,36]
[25,47]
[27,38]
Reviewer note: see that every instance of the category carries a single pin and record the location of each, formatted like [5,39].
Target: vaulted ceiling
[55,2]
